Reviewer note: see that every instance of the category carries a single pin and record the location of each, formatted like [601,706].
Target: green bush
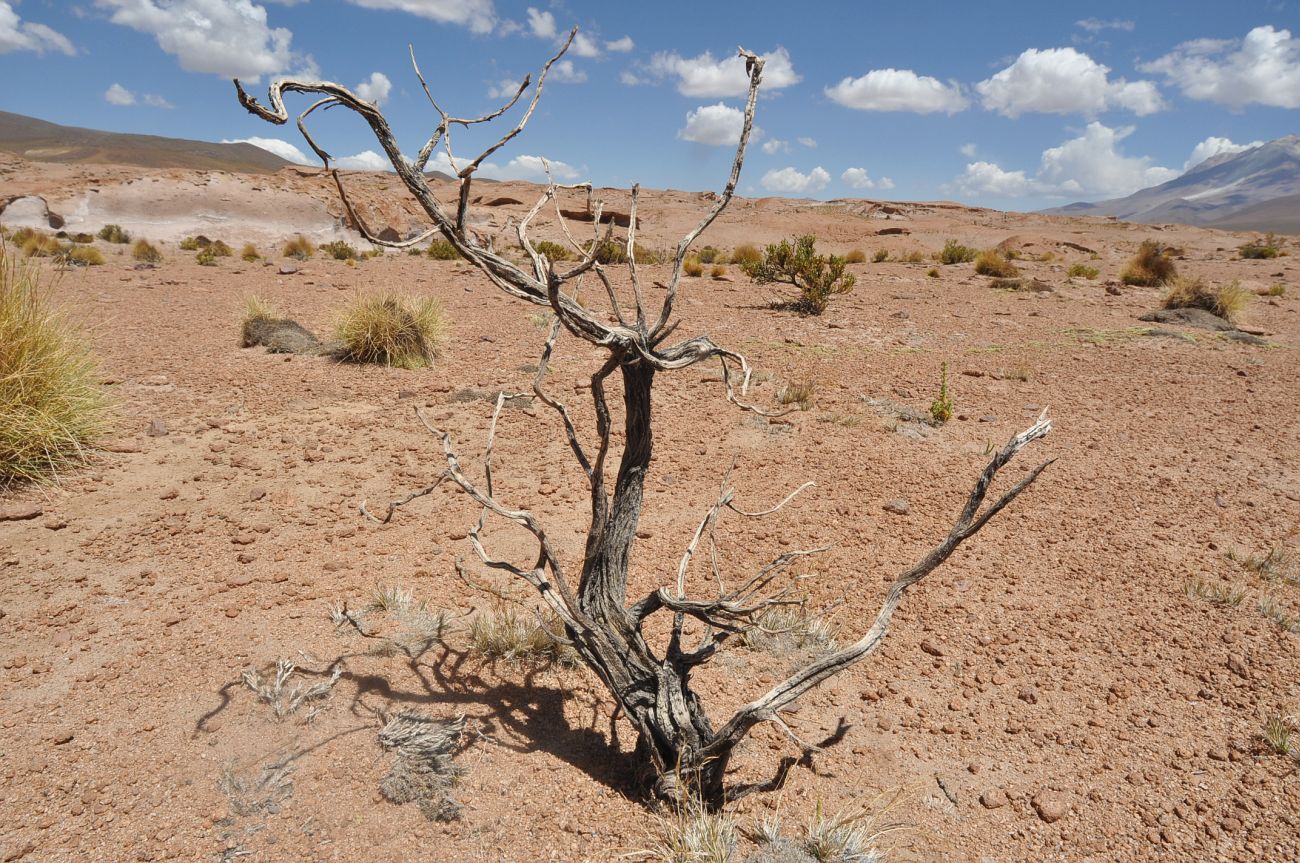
[954,252]
[1265,248]
[942,408]
[190,244]
[114,234]
[818,277]
[554,251]
[1082,271]
[441,249]
[206,257]
[339,251]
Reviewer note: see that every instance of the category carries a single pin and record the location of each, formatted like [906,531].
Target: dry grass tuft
[1083,271]
[83,256]
[502,635]
[880,256]
[145,251]
[1226,301]
[846,837]
[114,234]
[855,256]
[786,629]
[249,253]
[39,244]
[990,263]
[1215,592]
[299,248]
[423,771]
[746,255]
[799,393]
[339,251]
[1280,614]
[1282,734]
[693,268]
[51,407]
[1153,265]
[718,272]
[693,834]
[392,330]
[441,249]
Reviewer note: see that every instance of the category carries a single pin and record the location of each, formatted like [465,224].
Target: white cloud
[705,77]
[1090,165]
[585,46]
[776,145]
[968,150]
[620,46]
[898,90]
[366,160]
[807,142]
[791,181]
[223,37]
[519,168]
[1096,25]
[631,79]
[857,178]
[1213,146]
[374,89]
[116,94]
[1064,81]
[715,125]
[884,183]
[279,147]
[542,24]
[564,72]
[503,89]
[1263,68]
[478,15]
[19,35]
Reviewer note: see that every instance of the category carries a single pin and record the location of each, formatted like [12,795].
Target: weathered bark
[677,745]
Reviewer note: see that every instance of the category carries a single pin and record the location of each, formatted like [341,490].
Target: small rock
[288,269]
[931,648]
[972,373]
[1049,806]
[62,737]
[157,428]
[55,523]
[1112,288]
[1238,667]
[898,506]
[232,612]
[256,493]
[120,446]
[20,512]
[171,619]
[988,418]
[1218,754]
[994,798]
[169,494]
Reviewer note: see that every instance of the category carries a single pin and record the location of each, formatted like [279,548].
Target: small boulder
[898,506]
[1050,806]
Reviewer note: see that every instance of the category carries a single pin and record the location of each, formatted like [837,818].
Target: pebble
[994,798]
[120,446]
[898,506]
[931,648]
[288,269]
[1049,806]
[169,494]
[157,428]
[20,512]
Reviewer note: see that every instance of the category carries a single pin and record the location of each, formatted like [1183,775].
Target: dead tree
[676,740]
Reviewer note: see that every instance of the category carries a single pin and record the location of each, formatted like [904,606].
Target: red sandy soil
[1055,663]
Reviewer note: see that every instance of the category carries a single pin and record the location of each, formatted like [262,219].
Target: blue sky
[1015,105]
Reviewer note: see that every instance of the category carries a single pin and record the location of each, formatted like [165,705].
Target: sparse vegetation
[1277,289]
[718,272]
[1215,592]
[943,407]
[1281,734]
[787,629]
[1226,301]
[693,834]
[441,249]
[503,635]
[709,254]
[272,688]
[553,251]
[1268,247]
[189,244]
[423,771]
[954,252]
[258,309]
[746,255]
[339,251]
[1280,614]
[990,263]
[41,245]
[1082,271]
[880,256]
[933,272]
[916,256]
[818,277]
[391,329]
[249,253]
[206,257]
[799,393]
[851,837]
[83,256]
[219,249]
[146,252]
[299,248]
[855,256]
[693,268]
[51,408]
[1152,266]
[114,234]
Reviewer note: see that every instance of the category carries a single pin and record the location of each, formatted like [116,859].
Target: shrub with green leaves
[339,251]
[553,251]
[954,252]
[1265,248]
[943,407]
[818,277]
[114,234]
[206,257]
[190,244]
[145,251]
[441,249]
[1082,271]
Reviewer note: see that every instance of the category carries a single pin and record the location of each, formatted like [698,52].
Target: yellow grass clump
[991,263]
[51,406]
[143,250]
[84,256]
[693,268]
[391,329]
[1151,266]
[299,248]
[1227,301]
[249,253]
[746,255]
[855,256]
[38,244]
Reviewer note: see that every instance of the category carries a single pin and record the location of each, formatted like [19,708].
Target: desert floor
[1053,693]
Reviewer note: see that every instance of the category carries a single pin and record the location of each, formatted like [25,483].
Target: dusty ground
[1056,658]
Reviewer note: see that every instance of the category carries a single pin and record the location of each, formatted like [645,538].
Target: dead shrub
[1153,265]
[145,251]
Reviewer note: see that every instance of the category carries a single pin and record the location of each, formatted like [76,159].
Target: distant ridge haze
[1253,190]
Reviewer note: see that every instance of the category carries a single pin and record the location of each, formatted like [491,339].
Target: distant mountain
[41,141]
[1254,190]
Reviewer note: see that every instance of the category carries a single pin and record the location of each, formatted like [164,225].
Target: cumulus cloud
[222,37]
[1263,68]
[278,146]
[705,77]
[776,145]
[478,15]
[541,24]
[375,88]
[366,160]
[1064,81]
[564,72]
[19,35]
[524,167]
[1213,146]
[968,150]
[898,90]
[585,46]
[116,94]
[503,89]
[858,178]
[1090,165]
[153,100]
[792,182]
[620,46]
[715,125]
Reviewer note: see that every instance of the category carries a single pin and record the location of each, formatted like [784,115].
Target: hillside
[42,141]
